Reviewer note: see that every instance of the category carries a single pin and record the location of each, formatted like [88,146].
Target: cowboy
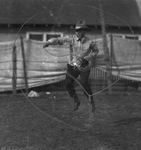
[82,51]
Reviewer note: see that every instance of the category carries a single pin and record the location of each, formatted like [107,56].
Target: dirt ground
[48,122]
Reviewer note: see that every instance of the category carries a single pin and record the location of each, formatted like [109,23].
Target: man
[82,51]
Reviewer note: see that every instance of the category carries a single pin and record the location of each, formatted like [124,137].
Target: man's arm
[52,41]
[59,40]
[94,47]
[92,51]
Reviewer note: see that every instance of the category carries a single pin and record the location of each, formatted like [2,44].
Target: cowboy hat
[81,25]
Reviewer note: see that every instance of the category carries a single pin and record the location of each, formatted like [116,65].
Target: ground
[48,122]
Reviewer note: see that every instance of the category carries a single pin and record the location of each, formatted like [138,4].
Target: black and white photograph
[70,75]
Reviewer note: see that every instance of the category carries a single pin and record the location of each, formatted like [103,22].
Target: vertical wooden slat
[14,78]
[24,65]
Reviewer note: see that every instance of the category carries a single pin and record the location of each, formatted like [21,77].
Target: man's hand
[46,45]
[82,62]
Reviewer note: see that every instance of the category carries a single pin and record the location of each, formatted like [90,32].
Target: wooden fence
[99,78]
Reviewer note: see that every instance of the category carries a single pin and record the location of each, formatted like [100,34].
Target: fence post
[14,77]
[105,47]
[111,56]
[24,65]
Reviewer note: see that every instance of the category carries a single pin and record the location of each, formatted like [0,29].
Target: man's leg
[72,74]
[84,77]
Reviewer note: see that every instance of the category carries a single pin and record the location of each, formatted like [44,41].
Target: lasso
[60,121]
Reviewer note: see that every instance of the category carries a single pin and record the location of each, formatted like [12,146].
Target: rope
[37,108]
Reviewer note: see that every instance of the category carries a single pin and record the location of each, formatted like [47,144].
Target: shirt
[79,49]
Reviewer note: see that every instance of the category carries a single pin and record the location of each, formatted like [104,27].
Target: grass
[49,123]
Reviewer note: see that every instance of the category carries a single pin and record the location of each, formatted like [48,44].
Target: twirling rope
[71,126]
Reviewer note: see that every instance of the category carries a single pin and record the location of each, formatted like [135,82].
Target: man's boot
[76,102]
[92,102]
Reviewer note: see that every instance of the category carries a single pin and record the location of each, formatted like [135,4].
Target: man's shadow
[127,121]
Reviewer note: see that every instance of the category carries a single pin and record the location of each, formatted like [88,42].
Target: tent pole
[105,47]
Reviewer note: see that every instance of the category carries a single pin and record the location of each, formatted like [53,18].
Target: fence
[98,78]
[44,67]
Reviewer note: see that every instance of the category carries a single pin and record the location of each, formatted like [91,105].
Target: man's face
[79,33]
